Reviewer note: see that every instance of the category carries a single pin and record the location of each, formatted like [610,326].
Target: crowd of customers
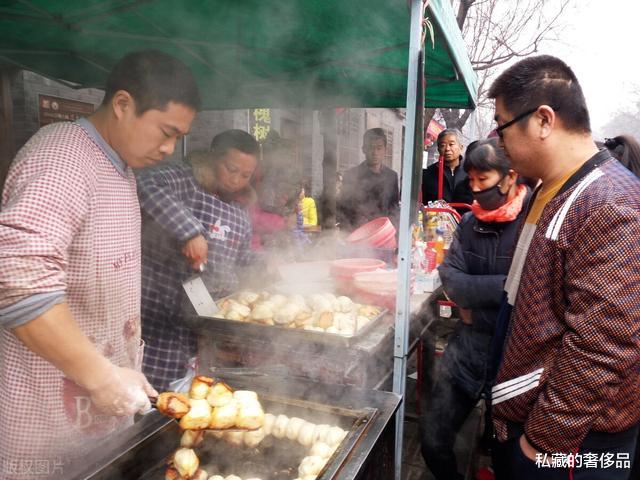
[549,329]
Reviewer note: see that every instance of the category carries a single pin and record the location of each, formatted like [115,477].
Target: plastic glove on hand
[124,392]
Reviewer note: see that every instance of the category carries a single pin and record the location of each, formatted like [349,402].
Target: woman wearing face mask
[473,275]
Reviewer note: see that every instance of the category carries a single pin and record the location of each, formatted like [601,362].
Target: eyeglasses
[515,120]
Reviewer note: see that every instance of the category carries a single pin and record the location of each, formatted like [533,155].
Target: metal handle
[269,370]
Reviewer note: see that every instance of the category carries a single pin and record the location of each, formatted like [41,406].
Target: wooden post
[7,142]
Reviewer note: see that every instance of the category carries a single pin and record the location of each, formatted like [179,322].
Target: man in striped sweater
[566,399]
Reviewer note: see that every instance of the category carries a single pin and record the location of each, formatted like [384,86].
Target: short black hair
[374,134]
[154,79]
[238,139]
[543,80]
[485,155]
[449,131]
[627,150]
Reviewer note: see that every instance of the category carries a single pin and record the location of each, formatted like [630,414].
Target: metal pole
[408,201]
[329,130]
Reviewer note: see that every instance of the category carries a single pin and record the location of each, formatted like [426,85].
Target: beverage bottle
[430,256]
[417,261]
[432,224]
[439,246]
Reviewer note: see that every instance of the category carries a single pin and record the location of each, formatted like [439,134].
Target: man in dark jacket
[455,185]
[369,190]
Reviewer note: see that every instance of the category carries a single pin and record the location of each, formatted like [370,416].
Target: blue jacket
[473,275]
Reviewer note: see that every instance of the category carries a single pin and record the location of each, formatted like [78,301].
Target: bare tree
[498,32]
[625,121]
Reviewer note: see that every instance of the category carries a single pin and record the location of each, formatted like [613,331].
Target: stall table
[365,363]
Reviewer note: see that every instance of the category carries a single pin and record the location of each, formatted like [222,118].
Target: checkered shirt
[69,222]
[175,209]
[573,351]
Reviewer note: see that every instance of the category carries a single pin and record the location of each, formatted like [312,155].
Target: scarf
[506,213]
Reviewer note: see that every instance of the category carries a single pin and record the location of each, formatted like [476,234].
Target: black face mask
[491,198]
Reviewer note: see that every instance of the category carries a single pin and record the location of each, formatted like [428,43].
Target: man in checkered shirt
[70,269]
[569,382]
[193,215]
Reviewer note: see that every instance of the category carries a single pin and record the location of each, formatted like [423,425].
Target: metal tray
[281,334]
[141,452]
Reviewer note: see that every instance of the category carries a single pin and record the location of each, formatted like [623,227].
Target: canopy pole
[408,201]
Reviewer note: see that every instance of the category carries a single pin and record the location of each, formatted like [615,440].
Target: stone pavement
[413,466]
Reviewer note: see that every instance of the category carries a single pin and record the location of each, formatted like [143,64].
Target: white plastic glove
[124,392]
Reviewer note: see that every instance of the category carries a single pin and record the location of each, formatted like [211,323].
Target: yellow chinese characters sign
[260,123]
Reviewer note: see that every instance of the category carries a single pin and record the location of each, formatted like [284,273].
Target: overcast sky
[600,44]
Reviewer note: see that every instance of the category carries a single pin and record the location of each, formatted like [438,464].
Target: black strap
[594,162]
[591,164]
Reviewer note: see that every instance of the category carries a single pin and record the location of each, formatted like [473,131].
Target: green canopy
[247,53]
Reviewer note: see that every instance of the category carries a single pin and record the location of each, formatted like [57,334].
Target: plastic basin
[379,281]
[348,267]
[343,271]
[379,233]
[378,287]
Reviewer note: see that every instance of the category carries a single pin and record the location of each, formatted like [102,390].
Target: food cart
[314,55]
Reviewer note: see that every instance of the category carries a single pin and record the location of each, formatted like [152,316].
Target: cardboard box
[427,281]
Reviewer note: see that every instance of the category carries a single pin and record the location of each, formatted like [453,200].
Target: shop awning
[247,53]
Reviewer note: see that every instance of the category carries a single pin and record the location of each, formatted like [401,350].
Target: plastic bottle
[439,246]
[430,257]
[432,224]
[418,260]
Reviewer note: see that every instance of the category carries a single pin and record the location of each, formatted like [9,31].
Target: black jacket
[366,195]
[473,275]
[455,187]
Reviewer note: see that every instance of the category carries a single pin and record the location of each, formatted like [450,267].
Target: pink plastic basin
[343,271]
[378,287]
[379,233]
[381,281]
[348,267]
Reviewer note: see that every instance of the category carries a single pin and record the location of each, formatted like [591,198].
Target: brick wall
[305,152]
[25,91]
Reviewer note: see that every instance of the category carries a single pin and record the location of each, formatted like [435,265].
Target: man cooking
[70,268]
[193,215]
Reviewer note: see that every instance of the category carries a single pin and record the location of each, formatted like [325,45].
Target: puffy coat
[473,275]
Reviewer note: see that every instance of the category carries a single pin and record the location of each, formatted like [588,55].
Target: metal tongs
[265,371]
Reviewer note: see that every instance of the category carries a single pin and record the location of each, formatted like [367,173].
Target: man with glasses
[566,392]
